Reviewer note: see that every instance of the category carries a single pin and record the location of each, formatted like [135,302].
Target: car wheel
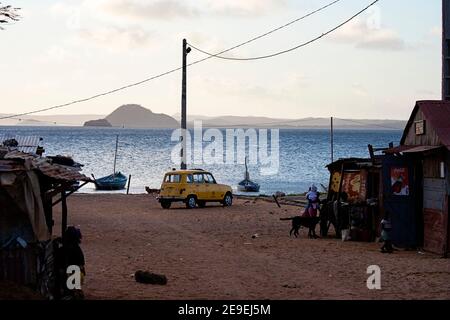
[165,204]
[227,200]
[201,204]
[191,202]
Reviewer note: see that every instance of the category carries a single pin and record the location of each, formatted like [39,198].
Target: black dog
[307,222]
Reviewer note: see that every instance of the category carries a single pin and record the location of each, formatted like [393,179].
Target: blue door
[402,198]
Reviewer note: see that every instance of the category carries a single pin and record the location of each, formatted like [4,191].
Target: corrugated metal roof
[44,165]
[437,114]
[411,149]
[28,144]
[60,172]
[10,165]
[419,149]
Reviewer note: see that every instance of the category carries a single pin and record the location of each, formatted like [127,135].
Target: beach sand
[210,254]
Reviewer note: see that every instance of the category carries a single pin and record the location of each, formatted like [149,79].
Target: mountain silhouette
[136,116]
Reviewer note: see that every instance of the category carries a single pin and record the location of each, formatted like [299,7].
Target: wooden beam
[64,212]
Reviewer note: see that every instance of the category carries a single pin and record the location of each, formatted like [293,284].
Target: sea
[146,154]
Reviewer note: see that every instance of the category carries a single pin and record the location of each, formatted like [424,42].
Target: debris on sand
[255,236]
[151,191]
[279,194]
[150,278]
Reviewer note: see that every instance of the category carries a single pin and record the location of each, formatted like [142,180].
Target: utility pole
[445,50]
[332,140]
[186,50]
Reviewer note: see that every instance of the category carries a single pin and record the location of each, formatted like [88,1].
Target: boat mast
[247,176]
[115,155]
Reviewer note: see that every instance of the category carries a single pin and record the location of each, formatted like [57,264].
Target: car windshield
[209,178]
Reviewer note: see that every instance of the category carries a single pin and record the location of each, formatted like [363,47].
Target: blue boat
[115,181]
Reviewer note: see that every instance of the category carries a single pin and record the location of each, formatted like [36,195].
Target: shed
[29,188]
[420,168]
[359,180]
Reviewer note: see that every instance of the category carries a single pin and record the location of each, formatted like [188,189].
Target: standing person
[386,228]
[312,196]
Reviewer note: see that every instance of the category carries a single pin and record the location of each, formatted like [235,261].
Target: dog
[307,222]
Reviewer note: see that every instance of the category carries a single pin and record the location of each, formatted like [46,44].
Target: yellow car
[193,187]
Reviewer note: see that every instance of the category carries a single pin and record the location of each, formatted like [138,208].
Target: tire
[165,204]
[201,204]
[227,200]
[191,202]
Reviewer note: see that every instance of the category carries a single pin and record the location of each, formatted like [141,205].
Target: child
[313,202]
[386,228]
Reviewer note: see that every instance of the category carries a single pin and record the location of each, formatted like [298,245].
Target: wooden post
[445,50]
[129,181]
[64,212]
[332,141]
[115,156]
[276,201]
[186,50]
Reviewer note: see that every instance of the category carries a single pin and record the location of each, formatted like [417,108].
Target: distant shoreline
[358,128]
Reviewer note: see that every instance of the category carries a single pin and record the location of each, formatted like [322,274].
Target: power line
[271,31]
[218,55]
[167,72]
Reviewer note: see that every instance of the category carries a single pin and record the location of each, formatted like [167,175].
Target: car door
[211,187]
[199,186]
[171,185]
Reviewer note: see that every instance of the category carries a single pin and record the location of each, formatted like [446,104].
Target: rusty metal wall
[435,231]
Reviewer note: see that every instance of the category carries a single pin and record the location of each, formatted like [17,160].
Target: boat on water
[115,181]
[247,185]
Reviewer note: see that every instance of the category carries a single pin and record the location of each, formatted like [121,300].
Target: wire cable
[164,73]
[218,55]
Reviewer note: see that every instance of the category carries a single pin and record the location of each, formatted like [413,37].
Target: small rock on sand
[150,278]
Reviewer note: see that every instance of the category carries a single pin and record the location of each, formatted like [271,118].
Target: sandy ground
[210,254]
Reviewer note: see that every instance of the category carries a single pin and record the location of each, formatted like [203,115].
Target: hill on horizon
[136,116]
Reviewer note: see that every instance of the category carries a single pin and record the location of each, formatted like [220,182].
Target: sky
[375,67]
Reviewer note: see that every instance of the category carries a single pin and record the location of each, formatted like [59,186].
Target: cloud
[170,9]
[363,36]
[243,8]
[116,37]
[161,9]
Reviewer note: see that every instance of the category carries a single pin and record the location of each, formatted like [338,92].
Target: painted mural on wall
[351,184]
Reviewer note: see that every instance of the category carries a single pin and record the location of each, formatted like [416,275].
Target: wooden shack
[359,180]
[30,186]
[424,147]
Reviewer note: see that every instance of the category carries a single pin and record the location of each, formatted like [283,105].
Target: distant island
[134,116]
[97,123]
